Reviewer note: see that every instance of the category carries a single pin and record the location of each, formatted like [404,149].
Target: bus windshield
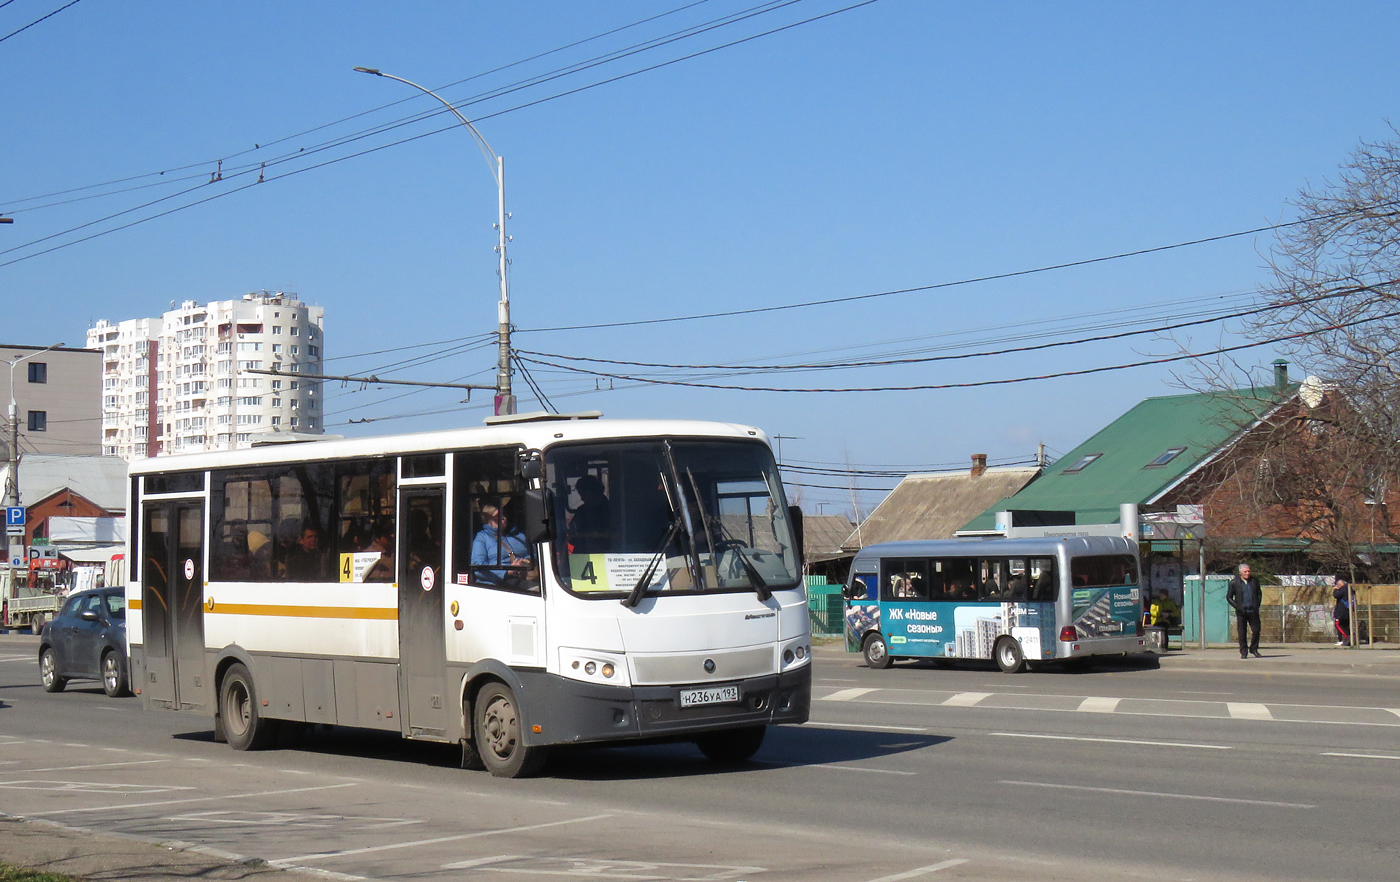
[670,517]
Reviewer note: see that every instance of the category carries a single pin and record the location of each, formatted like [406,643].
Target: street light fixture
[12,479]
[505,401]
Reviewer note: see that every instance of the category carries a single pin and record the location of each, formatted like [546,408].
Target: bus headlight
[593,667]
[795,654]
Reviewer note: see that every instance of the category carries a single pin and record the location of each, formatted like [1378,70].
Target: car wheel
[114,675]
[48,671]
[238,707]
[731,745]
[1008,655]
[500,735]
[876,655]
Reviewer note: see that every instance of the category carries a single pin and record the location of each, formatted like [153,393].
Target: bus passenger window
[993,580]
[1018,586]
[905,580]
[1043,587]
[488,500]
[365,511]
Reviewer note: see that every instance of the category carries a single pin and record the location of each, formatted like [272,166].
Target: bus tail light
[1068,634]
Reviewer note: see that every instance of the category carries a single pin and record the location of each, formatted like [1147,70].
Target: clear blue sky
[899,144]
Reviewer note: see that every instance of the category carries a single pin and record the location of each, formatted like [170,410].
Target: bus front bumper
[572,712]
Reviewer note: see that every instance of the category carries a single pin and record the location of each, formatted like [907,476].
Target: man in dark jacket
[1244,596]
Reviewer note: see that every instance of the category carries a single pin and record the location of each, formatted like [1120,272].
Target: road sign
[15,530]
[14,516]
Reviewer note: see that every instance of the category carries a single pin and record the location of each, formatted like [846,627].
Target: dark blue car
[87,641]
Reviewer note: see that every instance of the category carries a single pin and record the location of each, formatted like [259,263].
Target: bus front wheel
[1008,655]
[244,727]
[876,655]
[731,745]
[500,737]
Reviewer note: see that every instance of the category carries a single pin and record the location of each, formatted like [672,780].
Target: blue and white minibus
[1019,602]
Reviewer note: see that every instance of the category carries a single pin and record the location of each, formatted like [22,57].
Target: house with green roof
[1145,454]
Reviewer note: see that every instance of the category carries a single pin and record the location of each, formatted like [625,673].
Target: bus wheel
[876,655]
[731,745]
[238,707]
[1008,655]
[499,738]
[113,676]
[48,671]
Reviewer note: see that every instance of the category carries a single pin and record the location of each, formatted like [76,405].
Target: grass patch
[20,874]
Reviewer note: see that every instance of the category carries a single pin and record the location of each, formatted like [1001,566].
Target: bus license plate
[718,695]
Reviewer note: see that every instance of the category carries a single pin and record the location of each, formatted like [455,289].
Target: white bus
[540,581]
[1019,602]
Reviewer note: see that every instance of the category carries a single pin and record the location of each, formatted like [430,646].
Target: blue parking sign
[14,516]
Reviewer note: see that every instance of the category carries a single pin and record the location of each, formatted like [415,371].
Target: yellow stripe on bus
[133,604]
[304,612]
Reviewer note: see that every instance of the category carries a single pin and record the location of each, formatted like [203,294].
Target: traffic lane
[382,828]
[1126,678]
[1088,797]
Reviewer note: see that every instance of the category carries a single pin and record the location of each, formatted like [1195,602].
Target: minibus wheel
[1008,655]
[238,707]
[876,655]
[500,735]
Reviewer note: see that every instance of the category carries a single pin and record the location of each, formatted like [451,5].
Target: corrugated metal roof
[99,479]
[1199,424]
[822,536]
[934,506]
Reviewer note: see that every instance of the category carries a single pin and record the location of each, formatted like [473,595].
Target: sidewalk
[89,855]
[1317,658]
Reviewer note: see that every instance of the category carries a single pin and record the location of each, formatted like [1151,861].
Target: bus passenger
[498,544]
[306,560]
[382,570]
[591,524]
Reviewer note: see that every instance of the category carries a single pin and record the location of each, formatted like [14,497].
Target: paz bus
[541,581]
[1021,602]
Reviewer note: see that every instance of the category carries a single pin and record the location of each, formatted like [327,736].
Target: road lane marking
[284,862]
[967,699]
[1098,705]
[1160,795]
[93,766]
[1394,710]
[1242,710]
[1198,692]
[846,694]
[134,805]
[1114,740]
[921,871]
[595,868]
[870,726]
[1364,755]
[842,768]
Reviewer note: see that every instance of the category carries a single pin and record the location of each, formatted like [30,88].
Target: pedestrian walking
[1341,613]
[1244,597]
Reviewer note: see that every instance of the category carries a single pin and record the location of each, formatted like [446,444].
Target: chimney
[979,464]
[1280,373]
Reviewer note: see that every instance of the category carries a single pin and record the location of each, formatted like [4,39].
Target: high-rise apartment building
[185,382]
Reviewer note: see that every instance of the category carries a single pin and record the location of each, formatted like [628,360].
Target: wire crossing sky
[701,192]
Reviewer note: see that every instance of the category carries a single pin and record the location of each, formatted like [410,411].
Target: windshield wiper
[760,585]
[639,590]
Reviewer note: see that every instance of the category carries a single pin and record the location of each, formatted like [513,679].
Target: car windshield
[671,517]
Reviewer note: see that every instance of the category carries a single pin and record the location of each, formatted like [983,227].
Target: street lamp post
[12,479]
[505,401]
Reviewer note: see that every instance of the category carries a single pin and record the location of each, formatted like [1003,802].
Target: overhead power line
[36,21]
[975,383]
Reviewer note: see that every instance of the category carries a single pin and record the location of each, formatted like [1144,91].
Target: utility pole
[505,401]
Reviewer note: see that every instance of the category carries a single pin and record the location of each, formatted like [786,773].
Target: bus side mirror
[537,527]
[795,517]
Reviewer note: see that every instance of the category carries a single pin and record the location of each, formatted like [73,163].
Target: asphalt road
[907,773]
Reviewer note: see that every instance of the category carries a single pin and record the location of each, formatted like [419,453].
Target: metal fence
[1304,614]
[825,606]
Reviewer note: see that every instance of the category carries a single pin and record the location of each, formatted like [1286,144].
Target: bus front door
[422,623]
[172,599]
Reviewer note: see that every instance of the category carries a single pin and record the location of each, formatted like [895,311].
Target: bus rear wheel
[877,656]
[731,745]
[244,727]
[499,733]
[1008,655]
